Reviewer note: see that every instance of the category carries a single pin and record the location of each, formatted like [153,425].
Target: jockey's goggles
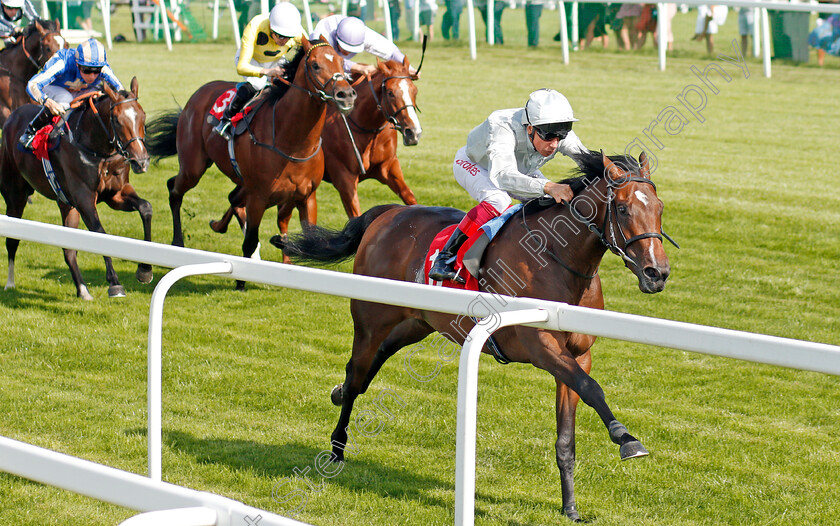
[555,130]
[89,70]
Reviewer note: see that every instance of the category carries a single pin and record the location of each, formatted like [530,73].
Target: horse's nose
[657,275]
[345,99]
[411,136]
[140,165]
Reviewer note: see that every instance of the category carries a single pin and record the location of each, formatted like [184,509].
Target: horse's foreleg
[70,219]
[127,200]
[254,214]
[392,175]
[91,218]
[347,185]
[566,369]
[567,401]
[284,215]
[308,211]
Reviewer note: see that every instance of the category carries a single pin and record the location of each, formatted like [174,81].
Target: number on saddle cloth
[241,119]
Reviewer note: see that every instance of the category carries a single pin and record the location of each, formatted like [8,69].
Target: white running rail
[759,348]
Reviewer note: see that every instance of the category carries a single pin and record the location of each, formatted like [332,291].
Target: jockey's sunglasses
[87,70]
[549,132]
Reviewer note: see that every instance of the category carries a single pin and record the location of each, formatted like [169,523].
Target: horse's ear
[135,87]
[110,92]
[610,169]
[644,167]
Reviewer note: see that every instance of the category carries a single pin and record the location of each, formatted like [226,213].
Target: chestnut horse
[106,134]
[615,207]
[280,158]
[19,63]
[386,102]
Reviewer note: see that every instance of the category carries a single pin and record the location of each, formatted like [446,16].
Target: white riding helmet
[15,4]
[546,106]
[284,19]
[350,34]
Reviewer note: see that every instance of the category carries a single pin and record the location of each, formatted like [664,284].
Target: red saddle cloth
[41,142]
[221,104]
[440,239]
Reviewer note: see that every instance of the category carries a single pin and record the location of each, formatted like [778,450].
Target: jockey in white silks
[350,36]
[502,160]
[11,14]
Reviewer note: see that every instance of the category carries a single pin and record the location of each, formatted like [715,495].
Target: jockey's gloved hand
[54,107]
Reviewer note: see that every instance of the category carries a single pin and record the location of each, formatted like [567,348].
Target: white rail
[759,348]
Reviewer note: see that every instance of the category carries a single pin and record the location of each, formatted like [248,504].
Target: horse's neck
[367,111]
[307,109]
[88,130]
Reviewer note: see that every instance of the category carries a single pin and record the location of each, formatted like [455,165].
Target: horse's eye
[622,209]
[391,94]
[315,66]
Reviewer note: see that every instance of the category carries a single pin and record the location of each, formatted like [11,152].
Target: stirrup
[443,271]
[26,140]
[223,129]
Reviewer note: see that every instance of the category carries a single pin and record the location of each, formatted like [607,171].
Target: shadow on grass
[278,462]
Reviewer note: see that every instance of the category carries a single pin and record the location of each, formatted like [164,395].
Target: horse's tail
[324,245]
[161,135]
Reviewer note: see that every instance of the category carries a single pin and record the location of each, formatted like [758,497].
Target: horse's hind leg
[236,198]
[254,210]
[127,200]
[91,218]
[188,176]
[567,401]
[70,219]
[392,175]
[15,196]
[368,357]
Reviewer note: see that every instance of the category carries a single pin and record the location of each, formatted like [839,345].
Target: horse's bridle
[392,118]
[41,54]
[114,141]
[319,91]
[610,224]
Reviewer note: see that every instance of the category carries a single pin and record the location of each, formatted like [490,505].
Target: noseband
[320,90]
[392,118]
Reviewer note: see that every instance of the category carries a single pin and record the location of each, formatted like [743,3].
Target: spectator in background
[428,8]
[709,19]
[533,12]
[498,7]
[629,15]
[746,21]
[671,11]
[826,38]
[646,24]
[450,25]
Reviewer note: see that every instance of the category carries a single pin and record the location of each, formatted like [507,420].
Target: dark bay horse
[19,63]
[549,252]
[280,159]
[385,103]
[91,164]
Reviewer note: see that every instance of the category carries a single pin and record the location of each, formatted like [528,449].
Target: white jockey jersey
[502,146]
[375,44]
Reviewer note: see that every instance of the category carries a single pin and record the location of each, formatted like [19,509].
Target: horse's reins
[610,223]
[34,62]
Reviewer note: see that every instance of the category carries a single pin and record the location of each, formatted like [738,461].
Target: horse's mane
[278,89]
[591,167]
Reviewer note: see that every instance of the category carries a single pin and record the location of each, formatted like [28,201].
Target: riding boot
[244,92]
[32,128]
[444,266]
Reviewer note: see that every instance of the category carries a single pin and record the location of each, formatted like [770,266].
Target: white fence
[558,316]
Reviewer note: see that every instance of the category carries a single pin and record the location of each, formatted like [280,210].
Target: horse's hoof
[84,294]
[633,449]
[116,291]
[218,227]
[337,395]
[144,273]
[240,286]
[571,513]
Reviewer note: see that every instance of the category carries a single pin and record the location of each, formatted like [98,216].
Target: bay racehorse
[546,251]
[19,63]
[280,158]
[105,134]
[385,104]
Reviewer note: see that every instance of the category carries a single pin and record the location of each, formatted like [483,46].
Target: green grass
[749,194]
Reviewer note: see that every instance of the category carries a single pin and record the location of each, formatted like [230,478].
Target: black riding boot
[443,268]
[37,122]
[244,92]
